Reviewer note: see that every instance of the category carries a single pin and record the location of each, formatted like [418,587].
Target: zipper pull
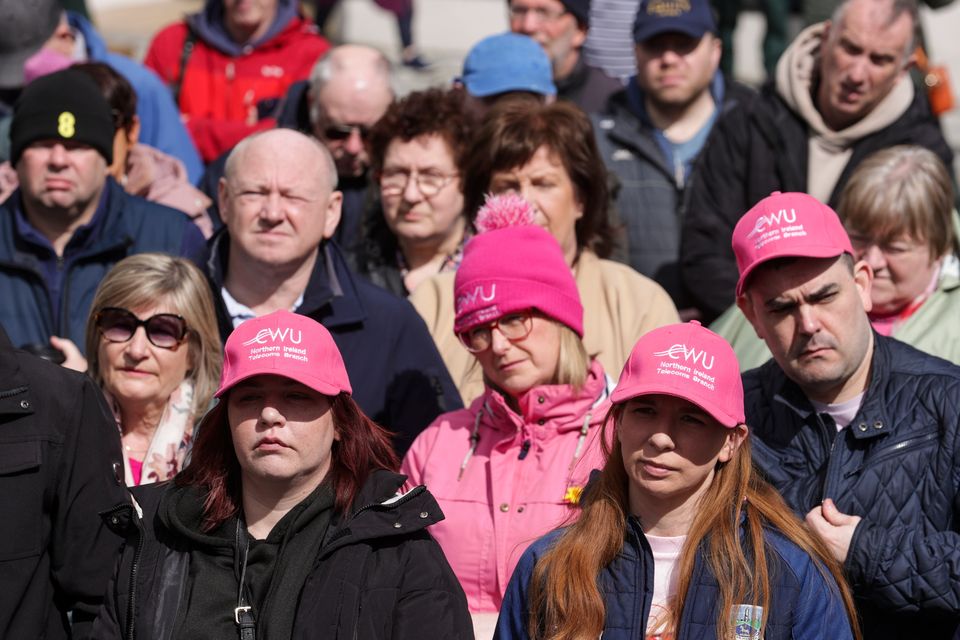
[524,449]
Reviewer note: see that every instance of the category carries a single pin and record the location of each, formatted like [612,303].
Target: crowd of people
[590,341]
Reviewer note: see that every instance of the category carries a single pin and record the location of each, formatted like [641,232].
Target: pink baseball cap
[787,225]
[288,345]
[686,361]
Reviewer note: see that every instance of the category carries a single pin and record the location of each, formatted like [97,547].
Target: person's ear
[735,438]
[580,37]
[133,131]
[746,307]
[332,214]
[863,279]
[222,196]
[716,52]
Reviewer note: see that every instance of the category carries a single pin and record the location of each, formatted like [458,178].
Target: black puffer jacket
[751,153]
[379,575]
[896,466]
[60,465]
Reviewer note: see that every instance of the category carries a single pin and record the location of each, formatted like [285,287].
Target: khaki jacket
[619,306]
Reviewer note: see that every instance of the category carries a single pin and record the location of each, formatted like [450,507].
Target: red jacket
[219,93]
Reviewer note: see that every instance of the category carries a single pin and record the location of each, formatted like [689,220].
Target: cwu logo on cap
[678,351]
[668,8]
[272,335]
[778,218]
[66,124]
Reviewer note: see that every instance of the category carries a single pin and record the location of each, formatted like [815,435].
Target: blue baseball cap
[690,17]
[507,62]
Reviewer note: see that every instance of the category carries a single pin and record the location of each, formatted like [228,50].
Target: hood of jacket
[95,44]
[796,75]
[208,25]
[549,409]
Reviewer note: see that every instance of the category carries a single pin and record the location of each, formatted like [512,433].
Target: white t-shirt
[666,552]
[842,413]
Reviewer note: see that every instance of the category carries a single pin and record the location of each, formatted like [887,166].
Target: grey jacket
[650,194]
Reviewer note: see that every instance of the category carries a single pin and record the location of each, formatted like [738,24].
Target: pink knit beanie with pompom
[512,265]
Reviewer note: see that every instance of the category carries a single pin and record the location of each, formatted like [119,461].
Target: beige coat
[619,306]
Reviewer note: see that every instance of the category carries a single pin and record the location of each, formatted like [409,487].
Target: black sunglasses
[164,330]
[344,131]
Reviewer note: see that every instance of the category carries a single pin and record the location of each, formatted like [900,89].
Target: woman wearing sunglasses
[287,523]
[417,150]
[678,537]
[511,466]
[154,349]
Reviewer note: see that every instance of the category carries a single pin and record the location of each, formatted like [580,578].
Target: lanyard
[243,613]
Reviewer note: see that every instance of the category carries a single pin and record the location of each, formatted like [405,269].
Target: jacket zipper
[130,633]
[892,451]
[12,392]
[413,493]
[833,467]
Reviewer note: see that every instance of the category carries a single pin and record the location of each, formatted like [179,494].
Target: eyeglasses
[430,183]
[340,132]
[542,14]
[514,327]
[164,330]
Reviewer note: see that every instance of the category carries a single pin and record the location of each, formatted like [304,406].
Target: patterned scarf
[171,441]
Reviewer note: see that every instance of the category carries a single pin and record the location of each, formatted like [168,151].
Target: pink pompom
[502,211]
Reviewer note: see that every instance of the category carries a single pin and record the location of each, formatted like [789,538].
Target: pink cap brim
[624,394]
[821,251]
[320,386]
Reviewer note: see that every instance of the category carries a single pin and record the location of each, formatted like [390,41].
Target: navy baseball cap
[690,17]
[507,62]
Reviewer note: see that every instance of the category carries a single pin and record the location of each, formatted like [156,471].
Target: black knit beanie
[66,105]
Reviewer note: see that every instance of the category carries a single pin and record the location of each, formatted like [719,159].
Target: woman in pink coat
[511,466]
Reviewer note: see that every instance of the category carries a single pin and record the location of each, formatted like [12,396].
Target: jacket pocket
[903,447]
[21,499]
[895,450]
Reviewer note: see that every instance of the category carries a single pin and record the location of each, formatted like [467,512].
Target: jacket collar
[112,234]
[577,77]
[381,511]
[208,24]
[331,296]
[871,420]
[550,409]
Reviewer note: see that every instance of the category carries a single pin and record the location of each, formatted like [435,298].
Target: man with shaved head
[280,208]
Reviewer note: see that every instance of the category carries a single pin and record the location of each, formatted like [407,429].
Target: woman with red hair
[287,522]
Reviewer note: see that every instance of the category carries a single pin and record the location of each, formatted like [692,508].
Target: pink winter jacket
[520,483]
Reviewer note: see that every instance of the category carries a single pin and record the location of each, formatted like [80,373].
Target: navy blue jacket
[895,466]
[397,375]
[131,225]
[804,605]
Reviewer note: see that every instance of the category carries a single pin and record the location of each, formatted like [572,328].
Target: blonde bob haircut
[901,191]
[151,279]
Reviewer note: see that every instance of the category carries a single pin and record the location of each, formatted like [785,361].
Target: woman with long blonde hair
[678,537]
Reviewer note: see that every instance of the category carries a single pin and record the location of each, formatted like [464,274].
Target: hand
[834,528]
[74,359]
